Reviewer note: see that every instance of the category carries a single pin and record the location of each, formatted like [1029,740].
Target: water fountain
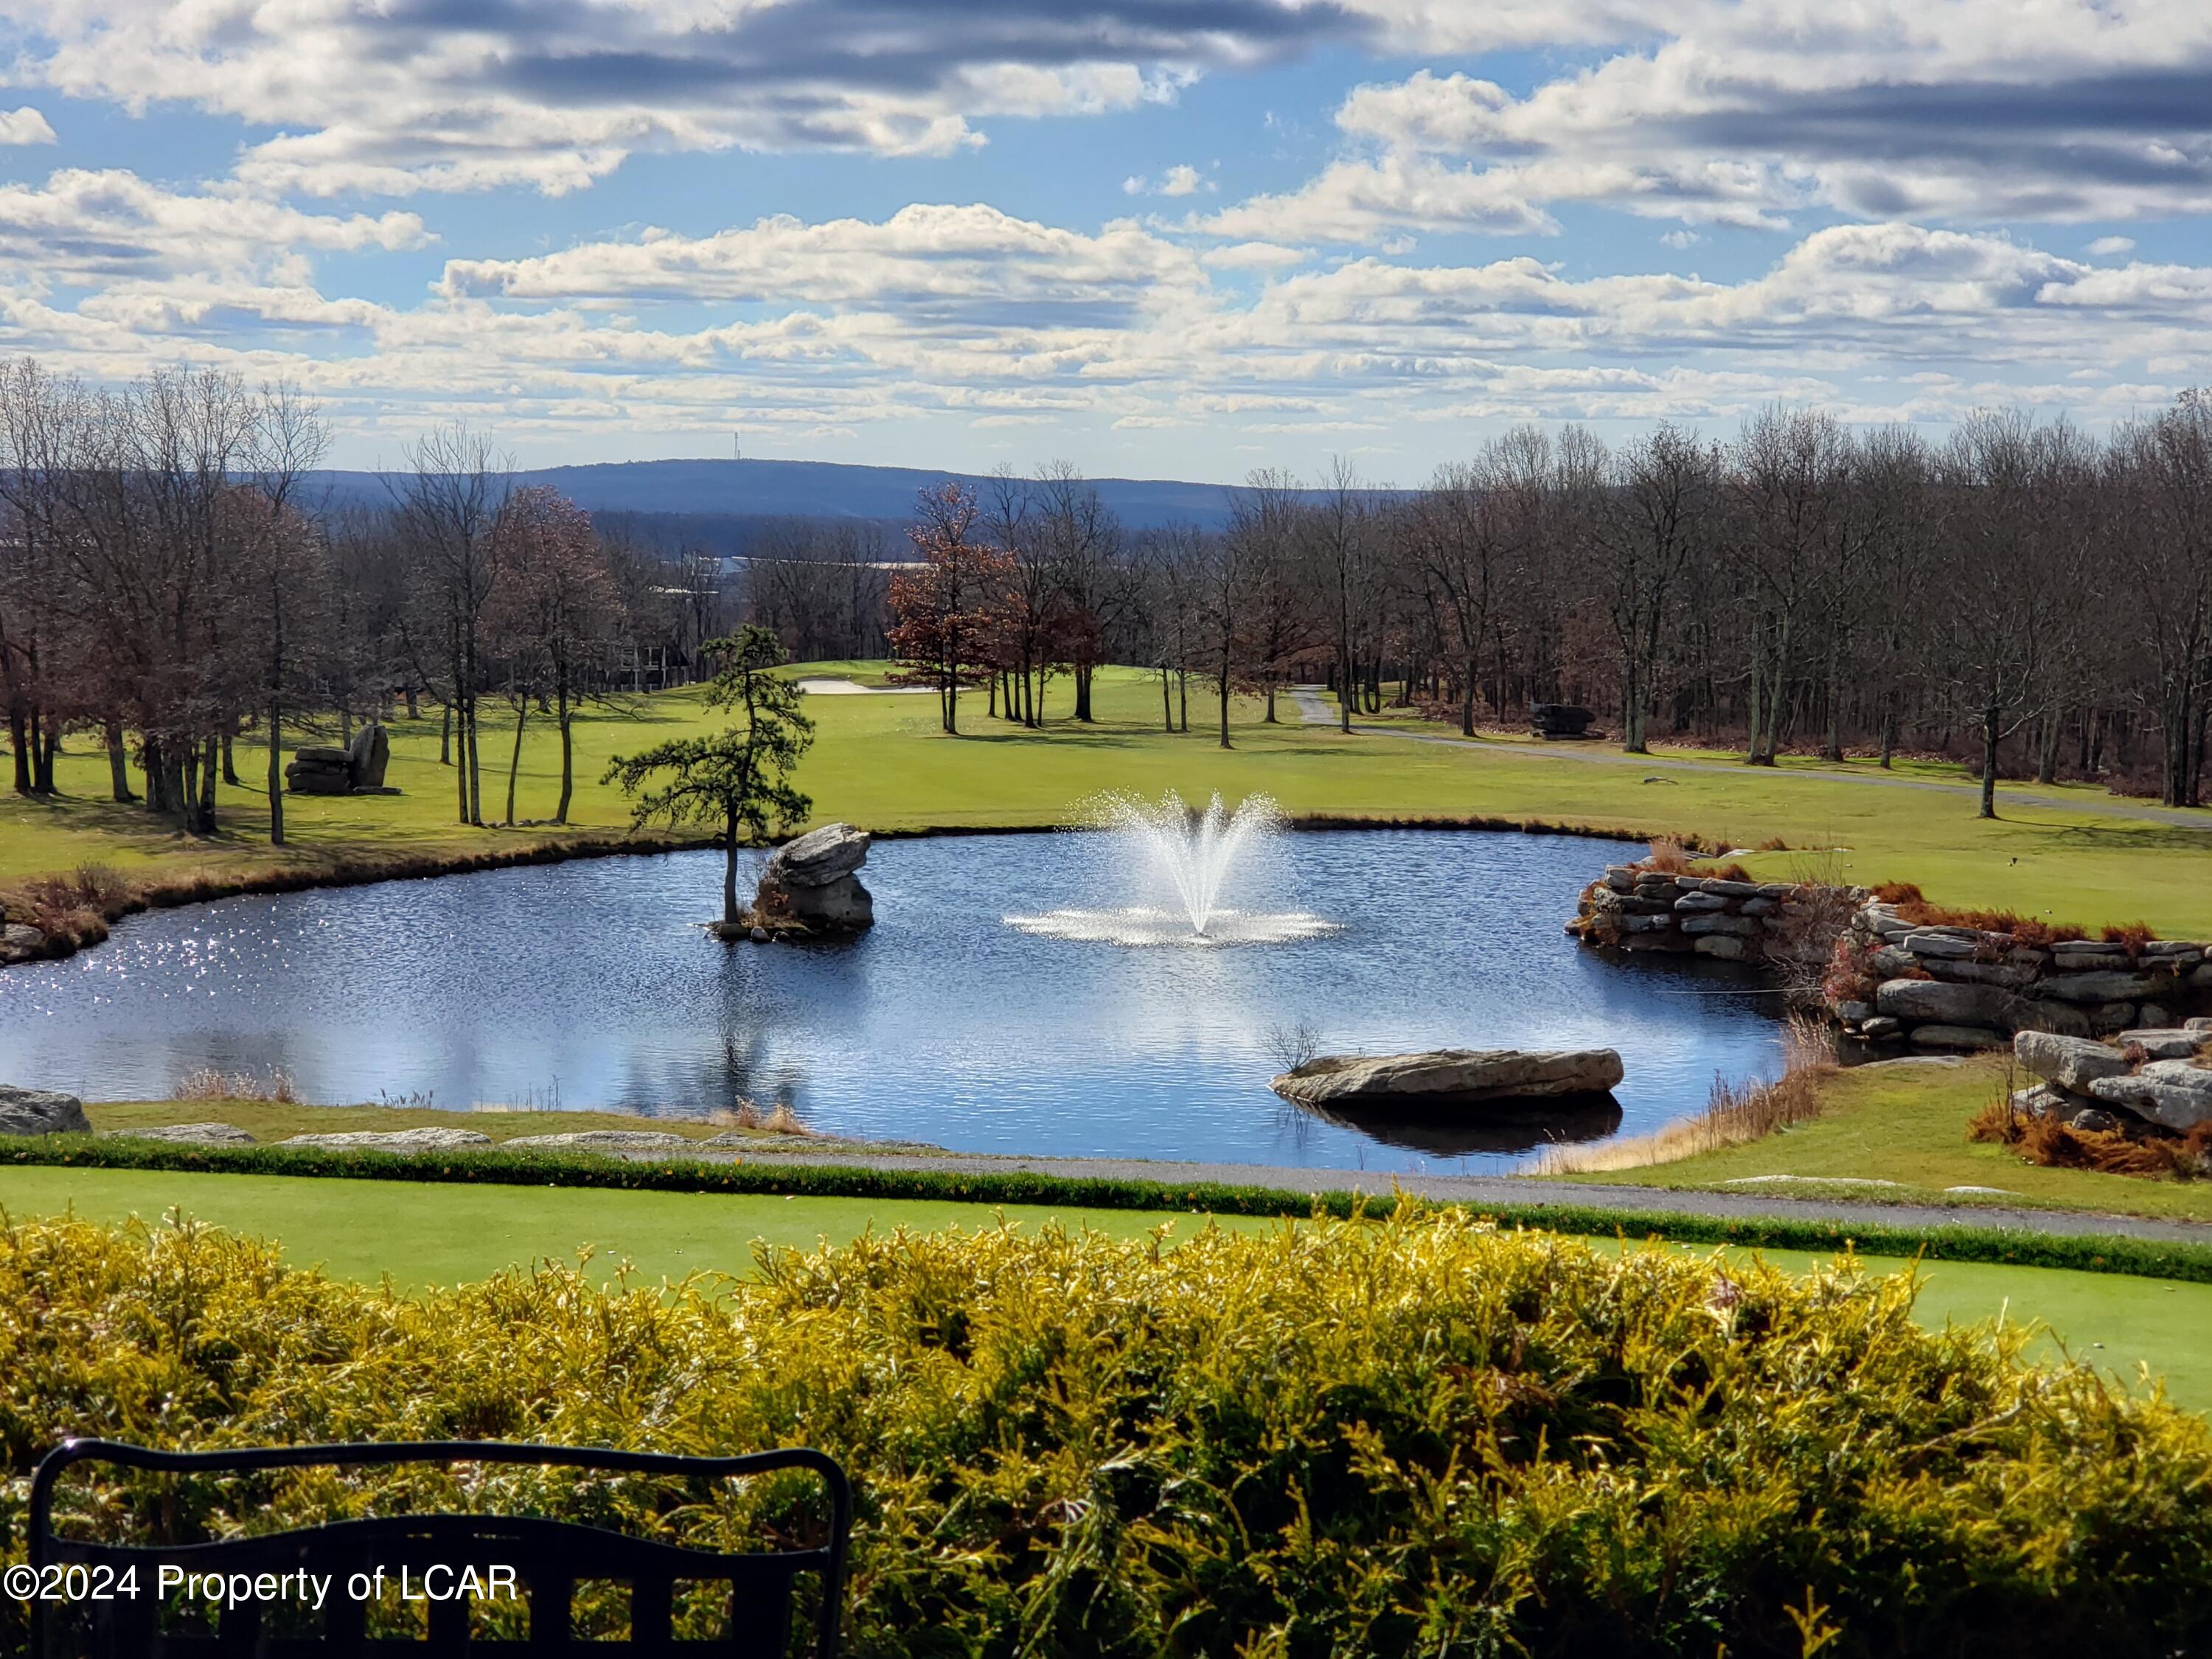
[1190,858]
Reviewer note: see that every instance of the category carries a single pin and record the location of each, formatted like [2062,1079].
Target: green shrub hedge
[1421,1436]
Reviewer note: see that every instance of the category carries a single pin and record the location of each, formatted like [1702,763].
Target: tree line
[170,582]
[2021,595]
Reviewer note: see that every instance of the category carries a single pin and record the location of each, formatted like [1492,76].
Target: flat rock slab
[2074,1062]
[2100,986]
[2170,1043]
[1940,1003]
[394,1140]
[1451,1077]
[607,1140]
[40,1112]
[185,1134]
[2176,1094]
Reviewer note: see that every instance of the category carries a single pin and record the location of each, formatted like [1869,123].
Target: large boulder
[1940,1003]
[1451,1077]
[21,942]
[40,1112]
[812,880]
[2176,1094]
[366,756]
[2072,1062]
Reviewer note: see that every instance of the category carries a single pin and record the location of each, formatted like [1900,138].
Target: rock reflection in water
[1447,1131]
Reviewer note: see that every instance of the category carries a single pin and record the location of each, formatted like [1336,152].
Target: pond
[590,985]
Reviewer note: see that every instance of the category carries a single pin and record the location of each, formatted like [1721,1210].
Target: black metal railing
[542,1560]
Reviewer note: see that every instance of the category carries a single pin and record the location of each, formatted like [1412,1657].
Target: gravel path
[1522,1191]
[1318,710]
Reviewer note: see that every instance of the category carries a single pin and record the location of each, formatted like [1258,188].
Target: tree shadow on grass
[2118,836]
[1054,739]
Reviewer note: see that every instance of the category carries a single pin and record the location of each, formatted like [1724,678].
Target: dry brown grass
[2051,1145]
[2129,936]
[1683,858]
[210,1083]
[2031,931]
[72,910]
[1734,1113]
[779,1119]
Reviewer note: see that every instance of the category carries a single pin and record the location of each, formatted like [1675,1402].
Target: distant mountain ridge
[738,491]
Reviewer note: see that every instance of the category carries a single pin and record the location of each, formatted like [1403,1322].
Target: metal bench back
[548,1557]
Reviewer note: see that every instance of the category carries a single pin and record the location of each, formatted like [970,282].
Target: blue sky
[1152,237]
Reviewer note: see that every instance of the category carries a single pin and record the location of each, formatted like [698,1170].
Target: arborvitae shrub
[1418,1437]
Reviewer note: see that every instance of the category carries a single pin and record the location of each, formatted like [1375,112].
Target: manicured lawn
[423,1235]
[881,762]
[1907,1123]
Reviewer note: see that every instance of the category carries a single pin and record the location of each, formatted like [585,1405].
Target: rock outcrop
[185,1134]
[1451,1078]
[811,883]
[40,1112]
[393,1140]
[2161,1079]
[2174,1094]
[21,942]
[355,770]
[608,1140]
[366,757]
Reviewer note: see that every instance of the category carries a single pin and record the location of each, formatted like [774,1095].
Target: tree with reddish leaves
[944,605]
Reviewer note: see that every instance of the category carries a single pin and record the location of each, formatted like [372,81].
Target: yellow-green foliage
[1419,1436]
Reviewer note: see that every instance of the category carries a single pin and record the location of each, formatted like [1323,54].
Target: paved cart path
[1517,1191]
[1318,708]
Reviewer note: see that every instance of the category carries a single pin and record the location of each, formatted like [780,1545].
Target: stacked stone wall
[1633,909]
[1959,989]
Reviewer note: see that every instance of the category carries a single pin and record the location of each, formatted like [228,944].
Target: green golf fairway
[419,1234]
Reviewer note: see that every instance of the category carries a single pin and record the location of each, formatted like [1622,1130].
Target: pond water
[589,984]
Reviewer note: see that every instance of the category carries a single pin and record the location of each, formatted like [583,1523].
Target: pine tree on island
[737,780]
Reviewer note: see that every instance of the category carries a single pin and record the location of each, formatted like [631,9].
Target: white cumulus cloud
[24,126]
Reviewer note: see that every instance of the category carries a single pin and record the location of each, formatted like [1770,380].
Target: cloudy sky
[1155,237]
